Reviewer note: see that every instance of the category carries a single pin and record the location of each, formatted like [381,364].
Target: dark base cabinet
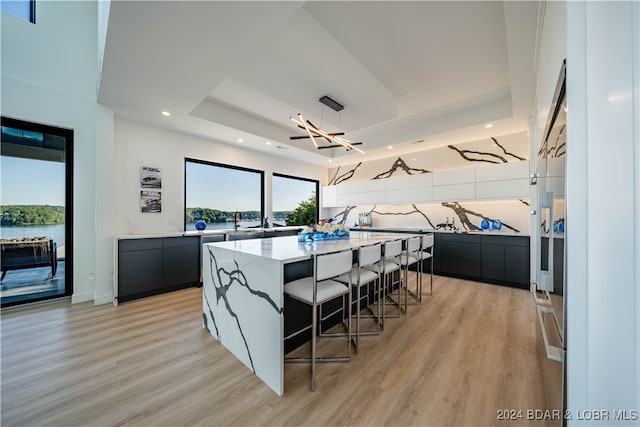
[156,265]
[485,258]
[461,254]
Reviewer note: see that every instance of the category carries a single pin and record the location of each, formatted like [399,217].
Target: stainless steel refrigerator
[549,287]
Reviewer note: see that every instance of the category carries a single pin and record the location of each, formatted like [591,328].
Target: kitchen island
[243,294]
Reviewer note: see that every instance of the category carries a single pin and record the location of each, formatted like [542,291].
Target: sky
[31,182]
[236,190]
[288,193]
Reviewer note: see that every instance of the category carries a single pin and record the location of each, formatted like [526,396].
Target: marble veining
[402,165]
[485,156]
[415,210]
[558,149]
[468,216]
[337,179]
[494,150]
[464,218]
[341,217]
[223,278]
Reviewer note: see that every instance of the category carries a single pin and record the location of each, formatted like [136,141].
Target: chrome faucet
[236,219]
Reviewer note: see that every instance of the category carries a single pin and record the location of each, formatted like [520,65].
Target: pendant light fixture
[335,139]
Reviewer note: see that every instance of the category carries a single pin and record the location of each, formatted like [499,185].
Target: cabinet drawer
[460,237]
[127,245]
[175,242]
[505,240]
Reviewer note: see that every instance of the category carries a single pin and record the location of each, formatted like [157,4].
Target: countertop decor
[324,232]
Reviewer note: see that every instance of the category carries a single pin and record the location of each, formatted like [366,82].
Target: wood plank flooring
[455,360]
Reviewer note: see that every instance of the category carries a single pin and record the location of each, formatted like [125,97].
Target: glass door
[36,169]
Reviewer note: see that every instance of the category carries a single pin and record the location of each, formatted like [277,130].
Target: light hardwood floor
[457,359]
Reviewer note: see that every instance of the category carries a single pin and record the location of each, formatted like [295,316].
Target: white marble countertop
[287,249]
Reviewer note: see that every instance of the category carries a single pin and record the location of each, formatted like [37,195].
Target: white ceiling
[413,71]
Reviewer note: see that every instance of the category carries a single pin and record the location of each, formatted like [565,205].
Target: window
[295,200]
[24,9]
[216,193]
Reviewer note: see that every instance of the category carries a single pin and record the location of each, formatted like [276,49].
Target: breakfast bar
[243,298]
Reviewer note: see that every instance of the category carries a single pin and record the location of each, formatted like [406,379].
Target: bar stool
[317,290]
[411,255]
[427,253]
[391,249]
[368,256]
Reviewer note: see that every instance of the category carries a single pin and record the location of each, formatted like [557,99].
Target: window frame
[68,134]
[299,178]
[226,166]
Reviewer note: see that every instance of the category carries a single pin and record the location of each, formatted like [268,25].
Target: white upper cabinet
[503,181]
[486,182]
[454,176]
[505,171]
[454,192]
[329,196]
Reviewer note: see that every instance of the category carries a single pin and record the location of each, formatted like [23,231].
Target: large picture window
[295,200]
[222,196]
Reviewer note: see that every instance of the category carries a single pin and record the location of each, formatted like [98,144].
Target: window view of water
[56,232]
[225,225]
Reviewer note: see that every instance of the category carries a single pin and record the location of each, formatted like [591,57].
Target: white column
[602,203]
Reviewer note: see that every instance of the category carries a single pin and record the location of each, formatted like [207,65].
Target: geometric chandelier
[335,139]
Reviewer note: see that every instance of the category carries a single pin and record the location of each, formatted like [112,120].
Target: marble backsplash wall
[465,216]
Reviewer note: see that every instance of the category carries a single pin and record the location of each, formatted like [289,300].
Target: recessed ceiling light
[330,160]
[240,140]
[413,158]
[166,113]
[268,142]
[488,125]
[389,147]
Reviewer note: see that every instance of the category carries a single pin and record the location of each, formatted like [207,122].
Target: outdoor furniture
[28,252]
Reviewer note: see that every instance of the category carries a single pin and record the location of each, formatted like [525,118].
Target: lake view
[56,232]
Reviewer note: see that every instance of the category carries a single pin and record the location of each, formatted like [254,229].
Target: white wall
[138,144]
[48,76]
[58,52]
[603,170]
[104,205]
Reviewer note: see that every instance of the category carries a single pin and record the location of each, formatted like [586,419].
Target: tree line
[304,214]
[211,216]
[31,215]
